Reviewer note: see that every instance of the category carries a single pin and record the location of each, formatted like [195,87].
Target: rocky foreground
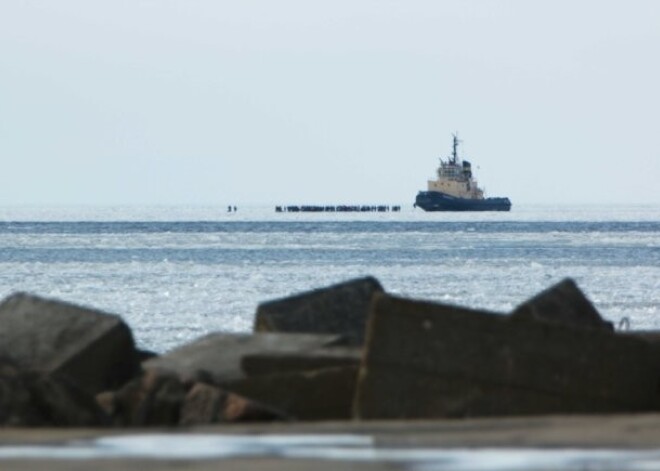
[348,352]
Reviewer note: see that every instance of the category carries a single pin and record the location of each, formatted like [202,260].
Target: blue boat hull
[437,201]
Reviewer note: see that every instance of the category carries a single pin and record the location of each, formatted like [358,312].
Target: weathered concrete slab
[92,348]
[324,394]
[337,309]
[565,303]
[281,362]
[217,357]
[427,360]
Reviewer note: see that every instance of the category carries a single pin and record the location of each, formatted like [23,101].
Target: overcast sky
[282,102]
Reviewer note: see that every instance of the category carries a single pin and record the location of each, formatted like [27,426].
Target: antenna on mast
[454,152]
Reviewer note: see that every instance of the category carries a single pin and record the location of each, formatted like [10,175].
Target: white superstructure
[455,177]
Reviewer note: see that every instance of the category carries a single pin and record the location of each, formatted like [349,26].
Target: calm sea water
[178,273]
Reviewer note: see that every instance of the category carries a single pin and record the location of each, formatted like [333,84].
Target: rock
[163,399]
[324,394]
[207,404]
[36,399]
[106,401]
[337,309]
[563,302]
[216,358]
[152,400]
[281,362]
[426,360]
[92,348]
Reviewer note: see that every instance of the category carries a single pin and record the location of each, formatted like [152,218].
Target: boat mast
[454,152]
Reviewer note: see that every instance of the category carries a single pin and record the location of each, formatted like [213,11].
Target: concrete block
[427,360]
[37,399]
[281,362]
[337,309]
[216,358]
[325,394]
[564,303]
[92,348]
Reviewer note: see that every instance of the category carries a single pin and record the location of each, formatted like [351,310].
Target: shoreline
[409,444]
[624,431]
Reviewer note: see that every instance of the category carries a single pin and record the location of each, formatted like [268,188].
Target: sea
[177,273]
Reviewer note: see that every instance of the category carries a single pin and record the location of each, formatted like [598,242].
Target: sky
[205,102]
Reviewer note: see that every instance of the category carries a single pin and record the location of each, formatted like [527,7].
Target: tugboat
[456,190]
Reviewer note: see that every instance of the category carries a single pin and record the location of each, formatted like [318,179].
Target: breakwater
[341,208]
[345,352]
